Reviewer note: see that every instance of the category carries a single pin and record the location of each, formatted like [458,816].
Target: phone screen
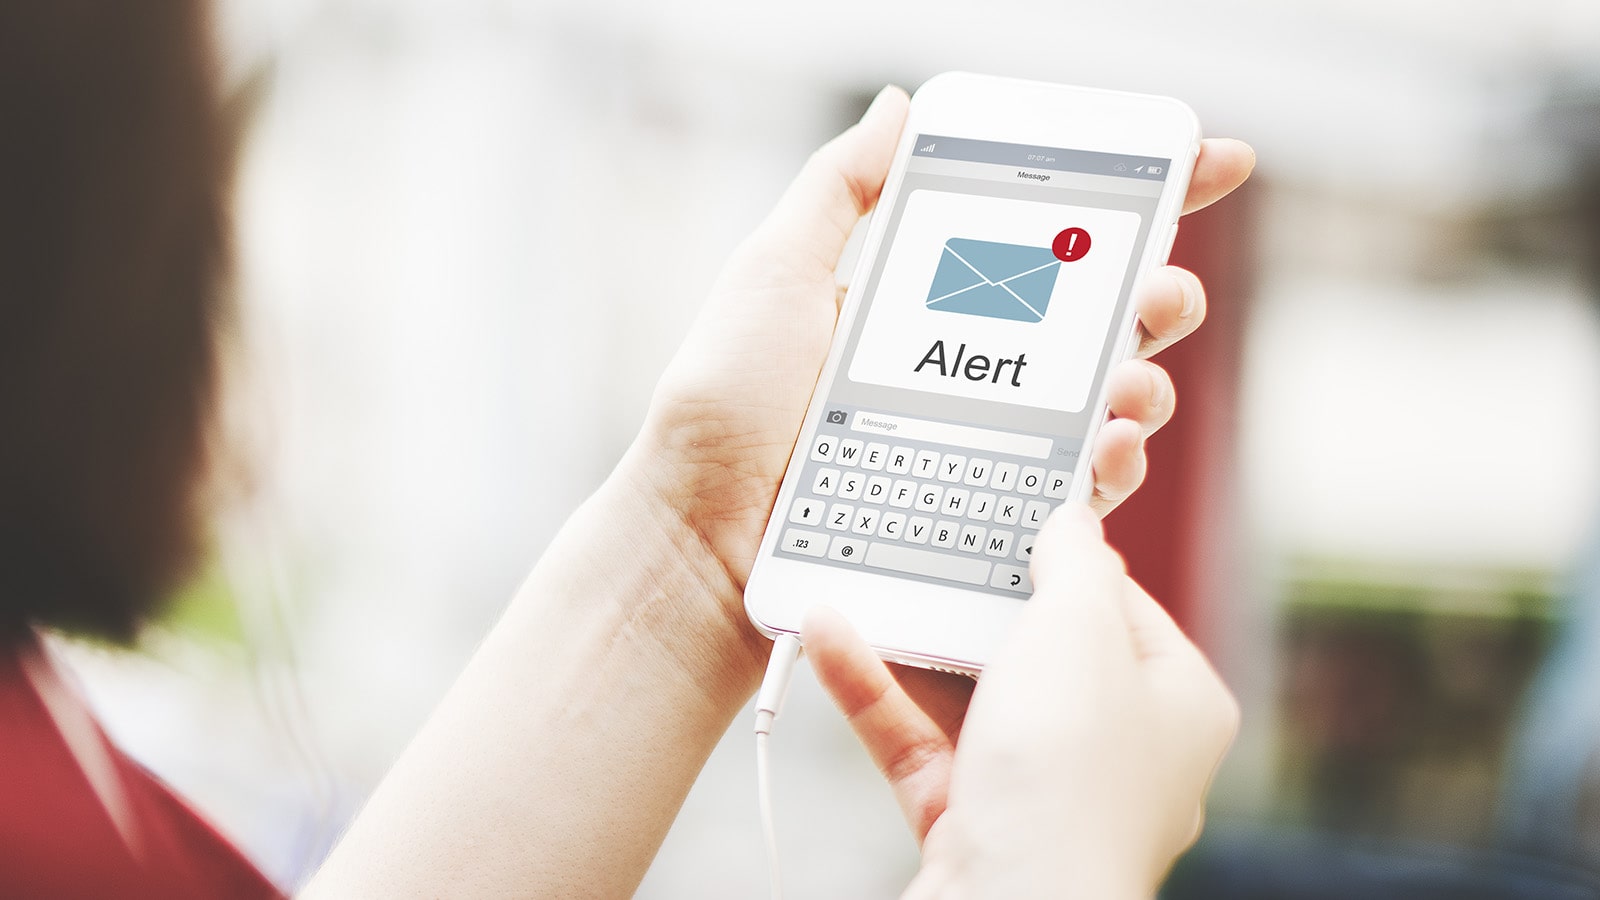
[958,413]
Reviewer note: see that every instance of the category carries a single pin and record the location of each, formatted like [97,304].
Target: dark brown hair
[112,251]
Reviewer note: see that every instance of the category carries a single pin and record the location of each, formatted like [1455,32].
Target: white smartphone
[966,381]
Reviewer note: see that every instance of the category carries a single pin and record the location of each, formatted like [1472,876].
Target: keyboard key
[839,516]
[808,511]
[1025,547]
[875,457]
[1032,477]
[979,471]
[981,508]
[826,483]
[850,550]
[806,543]
[1005,477]
[900,459]
[1007,511]
[902,494]
[918,530]
[952,467]
[971,539]
[962,518]
[999,543]
[900,558]
[1034,514]
[1012,578]
[955,502]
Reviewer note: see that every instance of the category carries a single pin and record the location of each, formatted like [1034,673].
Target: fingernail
[1158,389]
[877,102]
[813,615]
[1188,296]
[825,618]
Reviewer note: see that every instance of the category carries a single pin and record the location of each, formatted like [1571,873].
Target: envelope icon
[999,281]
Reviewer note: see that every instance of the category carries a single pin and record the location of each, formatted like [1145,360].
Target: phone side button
[1172,238]
[848,550]
[1011,578]
[805,543]
[923,562]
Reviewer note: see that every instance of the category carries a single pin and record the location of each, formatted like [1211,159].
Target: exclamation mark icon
[1070,245]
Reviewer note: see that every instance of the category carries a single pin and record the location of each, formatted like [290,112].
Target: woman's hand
[1082,765]
[725,414]
[529,776]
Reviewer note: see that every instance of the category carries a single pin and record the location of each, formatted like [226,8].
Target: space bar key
[922,562]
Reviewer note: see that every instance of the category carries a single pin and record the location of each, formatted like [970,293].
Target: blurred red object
[57,838]
[1177,531]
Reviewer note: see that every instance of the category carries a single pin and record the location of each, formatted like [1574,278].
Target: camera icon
[836,417]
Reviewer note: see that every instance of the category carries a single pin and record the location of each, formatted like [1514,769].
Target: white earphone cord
[769,701]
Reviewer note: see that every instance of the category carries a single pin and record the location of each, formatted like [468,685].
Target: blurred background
[472,233]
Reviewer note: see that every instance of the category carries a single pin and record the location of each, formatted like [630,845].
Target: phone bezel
[913,622]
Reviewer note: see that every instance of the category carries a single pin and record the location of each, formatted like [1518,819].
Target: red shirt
[57,838]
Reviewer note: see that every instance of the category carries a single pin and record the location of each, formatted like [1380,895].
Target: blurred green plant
[205,609]
[1399,694]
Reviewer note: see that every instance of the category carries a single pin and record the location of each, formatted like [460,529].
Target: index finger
[911,750]
[1223,165]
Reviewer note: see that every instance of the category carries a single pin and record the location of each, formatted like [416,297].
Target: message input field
[959,435]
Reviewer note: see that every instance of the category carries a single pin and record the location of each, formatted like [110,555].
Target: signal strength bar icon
[927,149]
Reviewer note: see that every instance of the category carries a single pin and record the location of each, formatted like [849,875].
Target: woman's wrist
[599,694]
[957,866]
[695,604]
